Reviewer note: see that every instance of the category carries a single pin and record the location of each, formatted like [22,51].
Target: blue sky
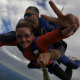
[7,25]
[12,10]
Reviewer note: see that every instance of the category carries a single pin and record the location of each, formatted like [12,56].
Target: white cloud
[1,23]
[14,56]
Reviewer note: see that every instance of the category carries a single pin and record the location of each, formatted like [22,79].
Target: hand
[69,20]
[44,57]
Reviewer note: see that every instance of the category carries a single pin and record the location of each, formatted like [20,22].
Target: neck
[37,23]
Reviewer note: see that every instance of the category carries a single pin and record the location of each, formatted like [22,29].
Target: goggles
[29,14]
[21,34]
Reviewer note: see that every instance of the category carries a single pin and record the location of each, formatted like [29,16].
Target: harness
[44,24]
[46,27]
[34,49]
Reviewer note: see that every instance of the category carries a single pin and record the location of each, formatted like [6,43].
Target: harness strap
[20,48]
[34,48]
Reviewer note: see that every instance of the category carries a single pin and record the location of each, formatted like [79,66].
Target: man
[60,45]
[38,32]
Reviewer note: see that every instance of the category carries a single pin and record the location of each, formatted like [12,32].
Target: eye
[19,36]
[29,15]
[27,36]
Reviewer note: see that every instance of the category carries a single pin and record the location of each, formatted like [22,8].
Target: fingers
[40,58]
[43,58]
[49,18]
[69,30]
[55,9]
[70,18]
[77,21]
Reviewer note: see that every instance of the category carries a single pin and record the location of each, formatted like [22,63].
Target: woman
[25,39]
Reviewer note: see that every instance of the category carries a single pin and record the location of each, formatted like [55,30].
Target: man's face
[29,11]
[33,17]
[24,37]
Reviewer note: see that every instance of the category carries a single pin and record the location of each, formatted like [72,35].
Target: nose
[26,17]
[29,18]
[23,39]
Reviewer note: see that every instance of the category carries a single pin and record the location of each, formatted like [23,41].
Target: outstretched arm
[69,20]
[8,37]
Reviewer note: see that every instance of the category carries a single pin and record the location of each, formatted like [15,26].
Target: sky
[12,10]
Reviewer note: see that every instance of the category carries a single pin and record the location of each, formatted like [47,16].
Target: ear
[37,15]
[34,26]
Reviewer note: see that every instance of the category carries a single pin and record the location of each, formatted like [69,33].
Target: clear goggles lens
[21,34]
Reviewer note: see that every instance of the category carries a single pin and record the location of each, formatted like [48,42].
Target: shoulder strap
[53,24]
[48,26]
[34,48]
[20,48]
[44,23]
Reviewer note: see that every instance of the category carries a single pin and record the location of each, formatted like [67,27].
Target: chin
[24,46]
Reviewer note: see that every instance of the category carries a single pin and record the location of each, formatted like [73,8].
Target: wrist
[55,54]
[51,54]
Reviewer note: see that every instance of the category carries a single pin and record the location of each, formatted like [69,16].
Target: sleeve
[8,37]
[49,38]
[61,45]
[13,43]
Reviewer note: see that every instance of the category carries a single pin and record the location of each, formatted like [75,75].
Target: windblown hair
[34,9]
[25,23]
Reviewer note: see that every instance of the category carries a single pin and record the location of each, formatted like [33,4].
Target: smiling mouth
[23,43]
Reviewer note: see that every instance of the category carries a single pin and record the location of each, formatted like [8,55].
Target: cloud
[14,56]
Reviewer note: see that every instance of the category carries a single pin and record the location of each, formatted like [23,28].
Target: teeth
[23,43]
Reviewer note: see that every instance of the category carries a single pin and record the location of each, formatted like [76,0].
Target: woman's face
[24,37]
